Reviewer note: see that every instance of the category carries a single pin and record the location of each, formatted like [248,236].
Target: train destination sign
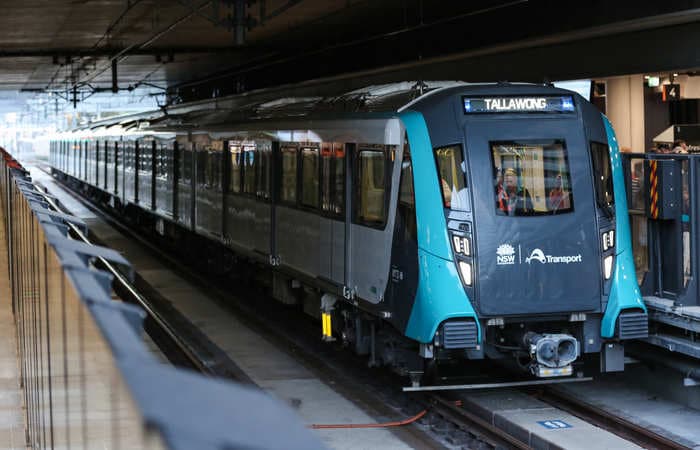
[547,104]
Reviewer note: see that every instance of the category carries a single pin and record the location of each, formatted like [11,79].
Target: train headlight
[608,240]
[462,245]
[607,266]
[466,270]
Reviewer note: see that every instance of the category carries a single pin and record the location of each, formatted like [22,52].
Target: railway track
[167,339]
[444,412]
[615,424]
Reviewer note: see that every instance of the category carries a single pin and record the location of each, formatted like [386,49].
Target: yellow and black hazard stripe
[653,191]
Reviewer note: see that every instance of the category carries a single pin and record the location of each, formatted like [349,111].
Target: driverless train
[420,222]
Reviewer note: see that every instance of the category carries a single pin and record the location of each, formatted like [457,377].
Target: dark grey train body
[422,223]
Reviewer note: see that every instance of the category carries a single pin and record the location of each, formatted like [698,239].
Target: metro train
[422,223]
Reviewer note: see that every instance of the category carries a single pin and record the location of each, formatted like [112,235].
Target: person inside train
[558,197]
[513,199]
[455,196]
[680,146]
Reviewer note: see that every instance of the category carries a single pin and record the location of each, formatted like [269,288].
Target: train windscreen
[531,177]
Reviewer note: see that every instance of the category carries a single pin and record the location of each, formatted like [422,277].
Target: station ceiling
[61,53]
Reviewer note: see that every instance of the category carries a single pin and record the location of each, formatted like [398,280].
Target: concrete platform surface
[539,424]
[12,416]
[654,399]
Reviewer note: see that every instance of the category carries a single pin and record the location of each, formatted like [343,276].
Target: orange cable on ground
[398,423]
[370,425]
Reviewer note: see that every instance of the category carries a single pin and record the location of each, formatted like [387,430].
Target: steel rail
[474,424]
[608,421]
[126,289]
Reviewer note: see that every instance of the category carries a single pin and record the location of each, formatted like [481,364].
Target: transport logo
[536,254]
[505,254]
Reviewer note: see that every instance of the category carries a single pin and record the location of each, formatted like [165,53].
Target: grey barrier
[88,380]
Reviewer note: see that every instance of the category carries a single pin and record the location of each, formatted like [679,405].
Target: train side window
[406,193]
[236,155]
[451,168]
[131,156]
[602,173]
[164,161]
[263,170]
[326,176]
[145,156]
[407,199]
[186,162]
[370,204]
[338,197]
[309,177]
[202,156]
[250,156]
[333,178]
[214,167]
[288,191]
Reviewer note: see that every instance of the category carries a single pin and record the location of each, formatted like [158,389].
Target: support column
[625,109]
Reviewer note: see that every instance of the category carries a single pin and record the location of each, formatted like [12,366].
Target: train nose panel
[558,273]
[537,240]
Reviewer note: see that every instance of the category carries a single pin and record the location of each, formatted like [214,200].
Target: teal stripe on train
[440,294]
[624,293]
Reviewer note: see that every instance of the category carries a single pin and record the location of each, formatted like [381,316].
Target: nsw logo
[537,255]
[505,254]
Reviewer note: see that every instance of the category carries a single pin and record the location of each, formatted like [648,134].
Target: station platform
[12,424]
[540,424]
[75,370]
[685,319]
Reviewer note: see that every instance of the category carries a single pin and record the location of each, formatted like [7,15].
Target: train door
[372,225]
[332,224]
[536,232]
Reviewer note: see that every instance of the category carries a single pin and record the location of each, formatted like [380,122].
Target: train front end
[524,241]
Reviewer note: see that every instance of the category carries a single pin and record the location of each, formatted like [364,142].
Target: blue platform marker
[554,424]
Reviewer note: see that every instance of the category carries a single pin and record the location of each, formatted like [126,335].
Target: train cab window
[333,178]
[602,172]
[309,177]
[451,168]
[250,158]
[531,177]
[236,154]
[370,204]
[288,188]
